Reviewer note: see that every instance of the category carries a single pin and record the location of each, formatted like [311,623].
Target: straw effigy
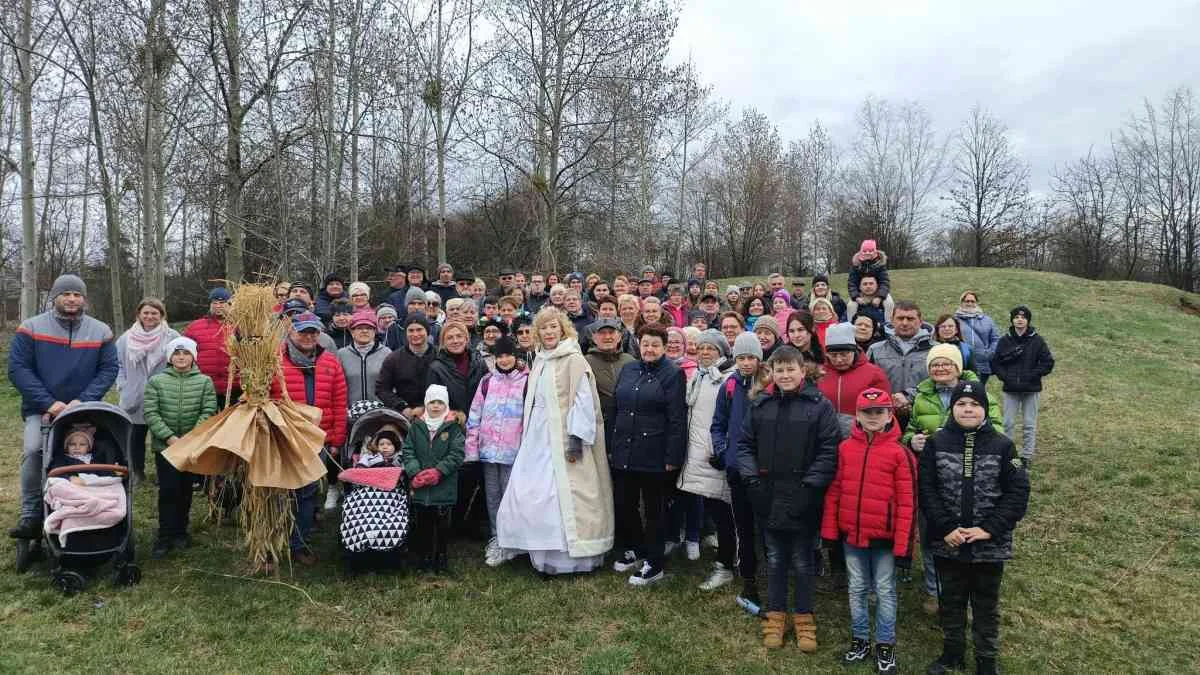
[269,447]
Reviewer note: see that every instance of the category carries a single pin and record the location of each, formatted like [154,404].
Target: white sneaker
[693,550]
[647,576]
[720,576]
[626,562]
[332,495]
[710,541]
[493,555]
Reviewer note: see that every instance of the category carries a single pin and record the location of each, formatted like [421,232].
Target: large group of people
[581,421]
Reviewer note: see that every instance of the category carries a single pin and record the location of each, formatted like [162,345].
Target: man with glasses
[462,284]
[507,278]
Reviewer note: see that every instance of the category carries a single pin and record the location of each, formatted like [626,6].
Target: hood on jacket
[881,261]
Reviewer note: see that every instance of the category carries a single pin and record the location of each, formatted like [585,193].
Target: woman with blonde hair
[558,507]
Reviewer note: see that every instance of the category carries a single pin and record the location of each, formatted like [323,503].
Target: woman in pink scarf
[141,352]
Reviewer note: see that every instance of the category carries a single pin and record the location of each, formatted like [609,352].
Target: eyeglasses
[941,365]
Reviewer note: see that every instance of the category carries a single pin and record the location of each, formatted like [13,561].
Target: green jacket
[929,415]
[444,453]
[176,403]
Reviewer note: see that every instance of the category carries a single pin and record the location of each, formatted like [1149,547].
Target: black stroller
[88,549]
[374,523]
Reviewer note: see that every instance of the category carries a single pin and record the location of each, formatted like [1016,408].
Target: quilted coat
[494,423]
[872,499]
[210,334]
[176,402]
[329,390]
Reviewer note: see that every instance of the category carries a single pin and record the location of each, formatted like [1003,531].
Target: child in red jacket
[869,507]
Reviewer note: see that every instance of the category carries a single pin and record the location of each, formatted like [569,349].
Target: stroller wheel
[127,575]
[69,582]
[25,553]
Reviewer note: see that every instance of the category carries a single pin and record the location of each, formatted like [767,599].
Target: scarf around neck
[145,346]
[712,374]
[434,423]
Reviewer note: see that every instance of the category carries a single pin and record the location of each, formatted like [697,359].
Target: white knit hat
[186,344]
[437,392]
[360,287]
[747,344]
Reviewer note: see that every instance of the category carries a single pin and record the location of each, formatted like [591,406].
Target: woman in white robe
[558,507]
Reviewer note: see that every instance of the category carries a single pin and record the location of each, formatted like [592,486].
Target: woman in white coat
[558,506]
[703,473]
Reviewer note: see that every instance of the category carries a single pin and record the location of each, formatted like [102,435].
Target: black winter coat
[787,456]
[650,426]
[462,389]
[403,378]
[972,479]
[1021,361]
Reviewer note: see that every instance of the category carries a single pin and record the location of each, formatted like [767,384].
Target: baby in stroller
[375,512]
[94,500]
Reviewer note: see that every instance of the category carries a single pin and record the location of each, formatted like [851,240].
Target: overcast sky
[1062,74]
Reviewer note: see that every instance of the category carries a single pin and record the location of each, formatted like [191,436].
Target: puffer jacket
[495,421]
[842,387]
[444,452]
[132,377]
[650,430]
[362,371]
[929,414]
[904,371]
[787,456]
[402,378]
[461,389]
[52,358]
[606,366]
[1021,361]
[698,476]
[329,392]
[979,331]
[175,403]
[678,314]
[972,478]
[210,334]
[871,502]
[860,267]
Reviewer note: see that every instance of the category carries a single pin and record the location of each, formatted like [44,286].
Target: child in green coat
[433,452]
[177,400]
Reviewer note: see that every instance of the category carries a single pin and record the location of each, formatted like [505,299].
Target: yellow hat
[945,351]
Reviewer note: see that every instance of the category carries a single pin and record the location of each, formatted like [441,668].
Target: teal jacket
[929,415]
[176,403]
[444,452]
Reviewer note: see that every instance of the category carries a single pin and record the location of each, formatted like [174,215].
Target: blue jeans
[32,468]
[867,569]
[930,571]
[306,498]
[789,552]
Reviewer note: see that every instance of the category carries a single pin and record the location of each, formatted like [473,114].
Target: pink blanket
[78,508]
[381,478]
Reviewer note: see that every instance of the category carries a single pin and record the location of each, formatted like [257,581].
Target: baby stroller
[87,548]
[375,511]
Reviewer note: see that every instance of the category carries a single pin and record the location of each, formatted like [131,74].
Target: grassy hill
[1105,578]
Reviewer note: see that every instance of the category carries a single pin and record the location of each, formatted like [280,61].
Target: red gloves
[426,478]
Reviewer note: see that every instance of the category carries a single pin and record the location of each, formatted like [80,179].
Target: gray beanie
[414,294]
[385,310]
[746,344]
[68,283]
[840,338]
[713,337]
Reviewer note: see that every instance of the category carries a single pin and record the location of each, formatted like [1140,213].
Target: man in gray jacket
[902,356]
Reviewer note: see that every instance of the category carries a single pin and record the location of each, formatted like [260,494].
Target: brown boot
[806,632]
[774,627]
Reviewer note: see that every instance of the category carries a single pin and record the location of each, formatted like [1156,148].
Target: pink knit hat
[868,246]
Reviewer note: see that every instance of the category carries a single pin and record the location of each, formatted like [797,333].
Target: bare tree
[990,188]
[1086,190]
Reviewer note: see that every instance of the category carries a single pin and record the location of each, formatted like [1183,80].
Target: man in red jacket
[869,508]
[210,333]
[847,374]
[313,376]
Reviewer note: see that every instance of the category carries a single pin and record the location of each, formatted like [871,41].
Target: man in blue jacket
[57,359]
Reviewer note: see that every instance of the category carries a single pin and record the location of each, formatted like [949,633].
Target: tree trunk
[29,244]
[234,234]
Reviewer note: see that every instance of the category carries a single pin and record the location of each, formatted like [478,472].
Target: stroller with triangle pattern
[375,517]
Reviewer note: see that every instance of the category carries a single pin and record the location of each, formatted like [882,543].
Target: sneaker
[648,575]
[493,556]
[693,550]
[710,541]
[626,562]
[946,663]
[885,658]
[161,548]
[331,498]
[720,576]
[749,592]
[859,651]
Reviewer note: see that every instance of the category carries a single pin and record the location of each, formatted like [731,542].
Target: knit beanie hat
[504,345]
[218,293]
[417,318]
[340,306]
[186,344]
[969,389]
[360,287]
[945,351]
[867,246]
[363,318]
[767,321]
[87,433]
[414,294]
[389,435]
[68,283]
[713,337]
[818,278]
[437,392]
[840,338]
[1019,309]
[386,310]
[732,289]
[746,344]
[781,295]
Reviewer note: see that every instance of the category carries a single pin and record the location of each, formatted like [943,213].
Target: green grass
[1105,579]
